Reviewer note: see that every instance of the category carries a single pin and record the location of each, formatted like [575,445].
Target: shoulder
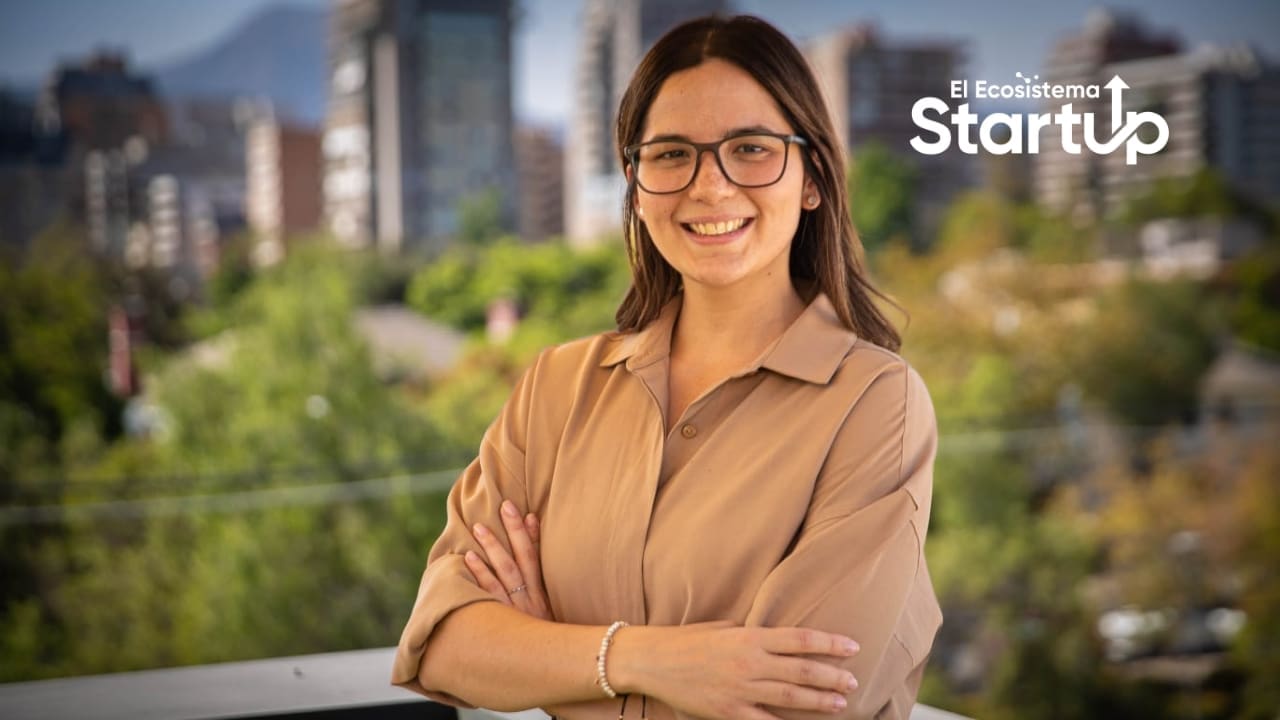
[889,434]
[555,379]
[871,372]
[576,363]
[572,357]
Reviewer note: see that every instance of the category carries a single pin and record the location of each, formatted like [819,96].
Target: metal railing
[330,686]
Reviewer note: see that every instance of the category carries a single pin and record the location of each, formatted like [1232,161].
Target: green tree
[53,342]
[1255,312]
[574,291]
[480,220]
[1146,349]
[1257,521]
[1204,194]
[277,434]
[882,188]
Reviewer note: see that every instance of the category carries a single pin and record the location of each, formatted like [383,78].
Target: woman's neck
[733,324]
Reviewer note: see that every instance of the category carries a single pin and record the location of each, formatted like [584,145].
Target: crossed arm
[713,670]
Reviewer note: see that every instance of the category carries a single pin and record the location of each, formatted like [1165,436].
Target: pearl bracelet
[601,678]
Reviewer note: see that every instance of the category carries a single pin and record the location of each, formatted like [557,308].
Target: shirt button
[688,431]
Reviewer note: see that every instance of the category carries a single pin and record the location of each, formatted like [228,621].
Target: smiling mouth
[718,228]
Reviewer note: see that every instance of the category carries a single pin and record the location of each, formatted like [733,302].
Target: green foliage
[577,291]
[562,293]
[882,188]
[285,399]
[480,220]
[1255,314]
[53,341]
[979,223]
[1147,349]
[1258,520]
[1204,194]
[235,270]
[1048,237]
[976,225]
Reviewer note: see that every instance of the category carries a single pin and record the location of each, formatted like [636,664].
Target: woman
[731,491]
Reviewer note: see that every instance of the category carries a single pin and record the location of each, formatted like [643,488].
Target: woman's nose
[709,182]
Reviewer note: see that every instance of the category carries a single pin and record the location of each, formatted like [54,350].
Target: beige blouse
[796,493]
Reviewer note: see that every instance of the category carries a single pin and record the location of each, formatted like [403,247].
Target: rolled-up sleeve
[857,565]
[498,472]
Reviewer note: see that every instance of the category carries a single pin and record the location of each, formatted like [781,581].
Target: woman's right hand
[513,581]
[720,670]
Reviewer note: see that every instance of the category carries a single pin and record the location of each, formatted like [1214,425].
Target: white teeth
[719,228]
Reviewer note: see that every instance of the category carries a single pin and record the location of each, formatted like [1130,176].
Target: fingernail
[840,703]
[850,646]
[471,556]
[852,684]
[509,509]
[480,529]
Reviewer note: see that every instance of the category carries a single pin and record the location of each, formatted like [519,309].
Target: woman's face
[714,232]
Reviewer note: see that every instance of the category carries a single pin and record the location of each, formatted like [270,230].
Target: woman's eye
[750,149]
[671,155]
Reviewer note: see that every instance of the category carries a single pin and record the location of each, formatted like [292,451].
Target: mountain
[278,53]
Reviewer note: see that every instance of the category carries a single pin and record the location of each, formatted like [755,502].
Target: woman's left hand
[513,581]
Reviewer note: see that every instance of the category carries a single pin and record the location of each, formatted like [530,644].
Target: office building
[1073,183]
[540,169]
[171,206]
[99,104]
[419,119]
[282,184]
[1222,106]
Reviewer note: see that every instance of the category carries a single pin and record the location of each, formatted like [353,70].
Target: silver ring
[519,589]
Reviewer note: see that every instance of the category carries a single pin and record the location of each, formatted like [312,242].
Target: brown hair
[825,252]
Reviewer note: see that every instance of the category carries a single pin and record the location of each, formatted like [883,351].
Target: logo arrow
[1117,88]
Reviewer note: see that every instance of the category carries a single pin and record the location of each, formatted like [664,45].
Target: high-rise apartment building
[870,84]
[282,183]
[615,36]
[419,119]
[170,206]
[99,104]
[540,167]
[1070,182]
[1222,106]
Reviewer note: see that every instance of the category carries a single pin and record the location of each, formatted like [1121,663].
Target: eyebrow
[747,130]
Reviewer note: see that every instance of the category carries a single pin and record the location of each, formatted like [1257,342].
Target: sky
[1001,37]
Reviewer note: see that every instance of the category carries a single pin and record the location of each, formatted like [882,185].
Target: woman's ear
[810,198]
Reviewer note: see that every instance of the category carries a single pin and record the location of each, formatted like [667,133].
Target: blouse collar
[810,349]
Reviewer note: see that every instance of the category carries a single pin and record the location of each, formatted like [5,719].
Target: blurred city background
[269,271]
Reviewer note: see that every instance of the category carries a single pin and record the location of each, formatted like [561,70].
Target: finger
[499,560]
[535,531]
[484,578]
[526,553]
[796,697]
[811,673]
[807,641]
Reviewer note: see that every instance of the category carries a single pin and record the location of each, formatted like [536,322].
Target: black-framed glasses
[748,160]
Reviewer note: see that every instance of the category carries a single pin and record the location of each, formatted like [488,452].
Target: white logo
[1124,124]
